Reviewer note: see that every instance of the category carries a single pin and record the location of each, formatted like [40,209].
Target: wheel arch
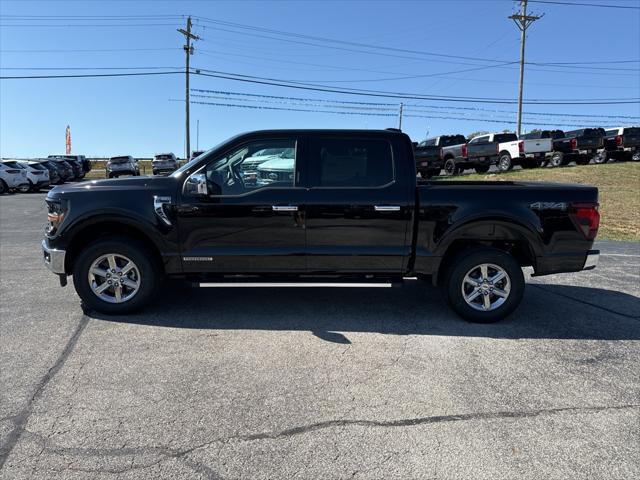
[506,234]
[104,227]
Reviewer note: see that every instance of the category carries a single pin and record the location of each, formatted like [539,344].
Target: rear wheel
[504,162]
[557,159]
[482,168]
[116,275]
[484,285]
[24,188]
[3,187]
[450,167]
[635,157]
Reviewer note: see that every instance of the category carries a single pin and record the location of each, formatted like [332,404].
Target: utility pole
[522,21]
[188,48]
[400,117]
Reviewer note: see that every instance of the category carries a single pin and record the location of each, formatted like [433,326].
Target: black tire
[635,156]
[155,173]
[450,167]
[504,162]
[464,263]
[150,275]
[556,160]
[482,168]
[3,187]
[528,164]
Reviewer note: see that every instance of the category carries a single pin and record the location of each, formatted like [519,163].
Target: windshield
[200,157]
[119,160]
[163,157]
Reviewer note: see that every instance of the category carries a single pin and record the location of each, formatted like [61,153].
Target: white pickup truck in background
[528,153]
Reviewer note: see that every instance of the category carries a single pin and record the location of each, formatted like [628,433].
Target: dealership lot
[316,383]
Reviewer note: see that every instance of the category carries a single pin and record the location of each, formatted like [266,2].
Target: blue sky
[145,115]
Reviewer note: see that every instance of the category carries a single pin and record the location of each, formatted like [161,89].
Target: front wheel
[635,157]
[599,158]
[116,275]
[484,285]
[505,163]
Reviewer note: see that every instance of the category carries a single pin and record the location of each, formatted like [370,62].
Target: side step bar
[294,284]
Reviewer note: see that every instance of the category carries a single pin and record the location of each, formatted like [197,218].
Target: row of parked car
[161,164]
[553,148]
[35,174]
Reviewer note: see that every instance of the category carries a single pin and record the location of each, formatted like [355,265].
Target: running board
[293,285]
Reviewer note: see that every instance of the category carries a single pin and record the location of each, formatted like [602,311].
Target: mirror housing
[196,185]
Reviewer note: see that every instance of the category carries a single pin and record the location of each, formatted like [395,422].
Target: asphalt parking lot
[316,383]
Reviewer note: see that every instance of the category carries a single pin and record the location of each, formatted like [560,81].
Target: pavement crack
[20,420]
[411,422]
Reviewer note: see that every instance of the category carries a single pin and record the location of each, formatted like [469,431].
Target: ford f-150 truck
[350,213]
[479,153]
[580,146]
[622,143]
[429,153]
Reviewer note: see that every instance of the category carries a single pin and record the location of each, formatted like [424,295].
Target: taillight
[586,217]
[464,150]
[619,140]
[521,146]
[574,144]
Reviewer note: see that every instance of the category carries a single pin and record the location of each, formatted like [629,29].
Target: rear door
[358,204]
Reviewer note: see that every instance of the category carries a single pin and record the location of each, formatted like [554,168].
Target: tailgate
[587,143]
[538,146]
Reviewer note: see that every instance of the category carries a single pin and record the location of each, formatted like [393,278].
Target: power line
[584,4]
[368,114]
[88,75]
[400,95]
[394,105]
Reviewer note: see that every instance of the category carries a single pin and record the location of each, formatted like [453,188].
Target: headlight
[55,215]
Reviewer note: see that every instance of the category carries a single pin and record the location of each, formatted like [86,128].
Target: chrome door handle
[387,208]
[284,208]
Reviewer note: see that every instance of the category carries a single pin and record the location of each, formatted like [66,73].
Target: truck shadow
[547,311]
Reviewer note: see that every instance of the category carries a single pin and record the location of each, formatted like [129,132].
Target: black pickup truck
[580,146]
[351,213]
[429,153]
[478,153]
[622,143]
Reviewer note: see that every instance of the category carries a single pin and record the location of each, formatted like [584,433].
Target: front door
[357,211]
[243,212]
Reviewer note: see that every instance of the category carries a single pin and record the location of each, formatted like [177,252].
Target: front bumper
[593,256]
[53,258]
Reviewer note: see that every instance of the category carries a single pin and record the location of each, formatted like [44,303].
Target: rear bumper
[565,263]
[593,256]
[53,258]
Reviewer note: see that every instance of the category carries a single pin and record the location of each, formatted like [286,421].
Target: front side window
[250,167]
[483,139]
[341,163]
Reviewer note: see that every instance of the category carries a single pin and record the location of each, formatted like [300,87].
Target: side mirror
[196,184]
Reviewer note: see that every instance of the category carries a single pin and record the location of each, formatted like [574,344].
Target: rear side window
[505,137]
[356,163]
[612,132]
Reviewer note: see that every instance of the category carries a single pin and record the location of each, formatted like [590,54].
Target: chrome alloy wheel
[114,278]
[486,287]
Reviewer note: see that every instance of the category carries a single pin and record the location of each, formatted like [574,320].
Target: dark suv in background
[622,143]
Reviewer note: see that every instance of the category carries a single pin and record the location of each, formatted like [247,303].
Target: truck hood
[116,184]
